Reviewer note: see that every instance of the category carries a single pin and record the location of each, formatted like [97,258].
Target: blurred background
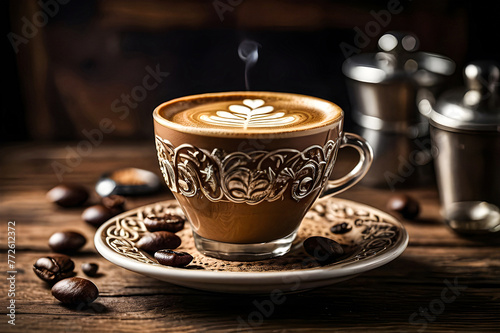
[72,63]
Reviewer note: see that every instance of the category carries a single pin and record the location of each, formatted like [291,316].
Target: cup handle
[357,173]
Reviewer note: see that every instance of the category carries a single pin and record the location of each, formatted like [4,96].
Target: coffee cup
[245,167]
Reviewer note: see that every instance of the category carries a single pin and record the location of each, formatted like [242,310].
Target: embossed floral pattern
[245,177]
[372,232]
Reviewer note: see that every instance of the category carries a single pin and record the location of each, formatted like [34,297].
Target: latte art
[253,113]
[239,114]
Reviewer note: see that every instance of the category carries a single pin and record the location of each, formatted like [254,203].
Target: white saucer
[375,238]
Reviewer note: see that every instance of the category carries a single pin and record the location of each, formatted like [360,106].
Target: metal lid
[473,108]
[398,60]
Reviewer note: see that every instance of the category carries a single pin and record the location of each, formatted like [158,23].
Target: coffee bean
[75,291]
[405,205]
[341,228]
[54,268]
[323,249]
[115,203]
[169,222]
[90,269]
[66,241]
[173,258]
[97,214]
[158,240]
[68,195]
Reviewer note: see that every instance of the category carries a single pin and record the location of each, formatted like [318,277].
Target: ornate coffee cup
[245,167]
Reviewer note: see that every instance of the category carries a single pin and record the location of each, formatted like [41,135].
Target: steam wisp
[248,51]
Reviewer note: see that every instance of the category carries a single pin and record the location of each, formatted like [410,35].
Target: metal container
[385,89]
[465,131]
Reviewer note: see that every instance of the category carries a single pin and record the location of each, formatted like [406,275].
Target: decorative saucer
[375,238]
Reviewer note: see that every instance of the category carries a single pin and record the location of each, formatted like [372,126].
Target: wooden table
[442,282]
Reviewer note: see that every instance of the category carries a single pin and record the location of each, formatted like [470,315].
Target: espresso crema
[247,113]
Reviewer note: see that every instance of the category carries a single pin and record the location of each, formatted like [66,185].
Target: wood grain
[387,299]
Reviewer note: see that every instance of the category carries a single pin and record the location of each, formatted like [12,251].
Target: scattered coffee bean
[97,214]
[54,268]
[173,258]
[158,240]
[115,203]
[68,195]
[405,205]
[66,241]
[341,228]
[169,222]
[90,269]
[323,249]
[75,291]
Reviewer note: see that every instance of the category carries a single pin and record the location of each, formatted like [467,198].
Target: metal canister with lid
[465,132]
[384,89]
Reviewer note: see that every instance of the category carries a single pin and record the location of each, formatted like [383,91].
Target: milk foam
[250,112]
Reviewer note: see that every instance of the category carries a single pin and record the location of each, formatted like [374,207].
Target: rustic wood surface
[410,294]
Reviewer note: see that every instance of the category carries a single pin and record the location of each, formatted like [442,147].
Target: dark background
[65,79]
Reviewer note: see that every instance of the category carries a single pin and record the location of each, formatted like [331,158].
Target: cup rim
[322,126]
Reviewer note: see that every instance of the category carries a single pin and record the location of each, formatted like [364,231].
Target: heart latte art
[253,113]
